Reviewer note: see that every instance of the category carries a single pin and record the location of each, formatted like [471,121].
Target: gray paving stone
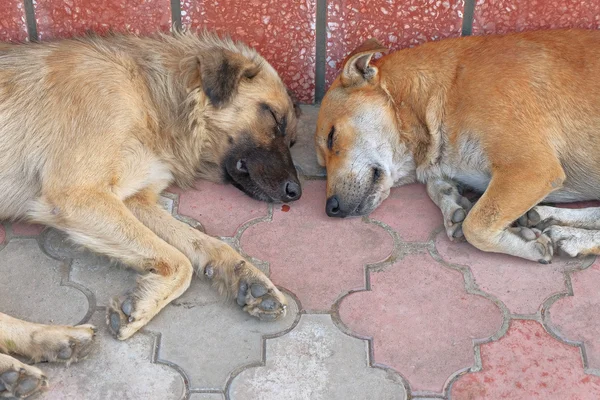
[303,152]
[57,245]
[207,396]
[209,337]
[105,279]
[315,361]
[115,370]
[31,288]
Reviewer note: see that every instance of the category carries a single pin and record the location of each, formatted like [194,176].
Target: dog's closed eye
[330,138]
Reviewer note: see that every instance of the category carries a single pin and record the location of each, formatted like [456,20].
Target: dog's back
[56,100]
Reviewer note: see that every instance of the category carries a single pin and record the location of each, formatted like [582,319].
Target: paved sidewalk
[381,308]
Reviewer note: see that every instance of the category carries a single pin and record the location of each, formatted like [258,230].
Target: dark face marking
[264,173]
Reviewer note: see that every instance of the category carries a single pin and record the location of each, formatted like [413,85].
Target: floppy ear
[356,68]
[221,72]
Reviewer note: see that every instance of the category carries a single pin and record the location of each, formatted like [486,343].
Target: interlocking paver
[210,337]
[115,370]
[316,257]
[31,286]
[104,278]
[24,229]
[221,209]
[410,212]
[422,321]
[315,361]
[521,285]
[207,396]
[527,363]
[575,318]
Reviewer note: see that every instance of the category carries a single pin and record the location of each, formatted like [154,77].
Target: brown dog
[93,129]
[515,117]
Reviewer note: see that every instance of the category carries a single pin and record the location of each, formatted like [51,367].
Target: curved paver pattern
[422,321]
[575,318]
[522,285]
[31,286]
[315,361]
[527,363]
[316,257]
[410,212]
[115,370]
[221,209]
[209,336]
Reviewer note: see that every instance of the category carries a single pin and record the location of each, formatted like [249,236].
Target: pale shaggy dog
[515,117]
[93,129]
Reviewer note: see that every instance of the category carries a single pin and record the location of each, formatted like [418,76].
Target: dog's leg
[100,221]
[455,207]
[541,217]
[40,342]
[213,259]
[18,379]
[575,232]
[507,198]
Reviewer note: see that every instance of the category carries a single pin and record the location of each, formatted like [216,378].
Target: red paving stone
[23,229]
[410,212]
[576,317]
[56,18]
[221,209]
[397,24]
[502,16]
[527,363]
[12,21]
[282,31]
[520,284]
[316,257]
[424,337]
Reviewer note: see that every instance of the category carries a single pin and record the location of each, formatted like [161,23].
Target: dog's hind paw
[62,343]
[21,381]
[539,245]
[539,217]
[121,318]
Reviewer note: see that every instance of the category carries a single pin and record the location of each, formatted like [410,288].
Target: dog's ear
[221,72]
[356,68]
[295,102]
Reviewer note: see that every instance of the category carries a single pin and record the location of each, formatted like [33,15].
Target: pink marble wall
[502,16]
[397,24]
[12,21]
[63,18]
[282,31]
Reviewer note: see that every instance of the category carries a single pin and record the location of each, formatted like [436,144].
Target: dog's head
[247,118]
[358,138]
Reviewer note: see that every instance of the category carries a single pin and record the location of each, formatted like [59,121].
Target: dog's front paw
[454,217]
[252,289]
[260,300]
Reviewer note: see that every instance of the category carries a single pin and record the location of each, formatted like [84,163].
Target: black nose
[292,191]
[332,208]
